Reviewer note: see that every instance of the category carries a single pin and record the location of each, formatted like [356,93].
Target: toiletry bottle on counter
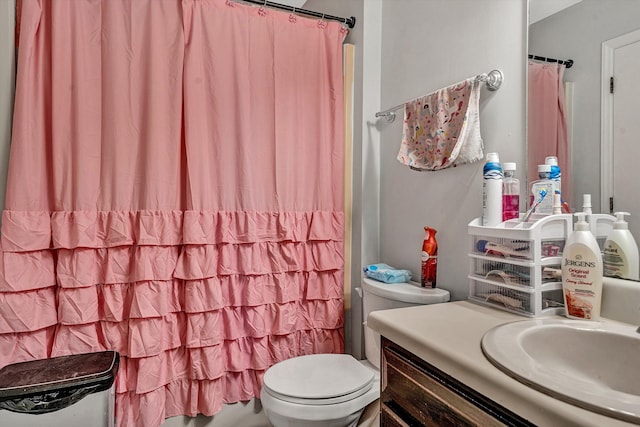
[492,191]
[542,191]
[620,257]
[555,174]
[510,192]
[557,204]
[586,204]
[582,273]
[429,259]
[601,224]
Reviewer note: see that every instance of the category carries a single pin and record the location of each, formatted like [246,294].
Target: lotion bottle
[582,273]
[621,251]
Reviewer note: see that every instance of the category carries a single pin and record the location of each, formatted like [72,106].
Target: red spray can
[429,259]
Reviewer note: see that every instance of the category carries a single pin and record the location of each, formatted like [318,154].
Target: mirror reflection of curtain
[547,130]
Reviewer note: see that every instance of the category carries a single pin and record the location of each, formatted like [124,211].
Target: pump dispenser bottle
[586,204]
[601,224]
[582,273]
[621,251]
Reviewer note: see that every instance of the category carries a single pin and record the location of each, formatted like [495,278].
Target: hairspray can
[429,259]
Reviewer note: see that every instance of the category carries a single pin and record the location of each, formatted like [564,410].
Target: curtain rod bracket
[494,80]
[389,116]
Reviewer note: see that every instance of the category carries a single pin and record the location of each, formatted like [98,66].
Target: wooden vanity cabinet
[415,393]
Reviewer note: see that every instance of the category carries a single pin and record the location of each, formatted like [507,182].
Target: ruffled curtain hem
[198,304]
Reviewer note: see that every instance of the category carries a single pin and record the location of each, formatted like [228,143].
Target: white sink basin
[595,365]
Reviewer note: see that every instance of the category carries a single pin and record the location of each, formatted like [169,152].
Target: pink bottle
[510,192]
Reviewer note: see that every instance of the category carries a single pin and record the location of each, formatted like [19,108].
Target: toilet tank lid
[410,292]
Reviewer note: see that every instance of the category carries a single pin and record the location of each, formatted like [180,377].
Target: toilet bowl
[332,390]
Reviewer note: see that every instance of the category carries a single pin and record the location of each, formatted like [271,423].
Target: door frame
[606,121]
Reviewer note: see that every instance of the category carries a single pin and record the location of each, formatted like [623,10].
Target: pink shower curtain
[547,123]
[175,194]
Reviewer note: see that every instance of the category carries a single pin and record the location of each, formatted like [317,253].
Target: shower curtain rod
[350,21]
[567,62]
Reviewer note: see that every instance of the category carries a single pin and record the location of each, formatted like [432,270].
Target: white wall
[577,33]
[540,9]
[426,45]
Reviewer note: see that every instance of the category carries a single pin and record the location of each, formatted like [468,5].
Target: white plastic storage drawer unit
[515,266]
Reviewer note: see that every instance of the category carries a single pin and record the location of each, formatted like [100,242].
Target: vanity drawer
[389,418]
[414,393]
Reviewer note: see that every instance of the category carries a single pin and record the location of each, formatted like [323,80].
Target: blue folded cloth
[387,274]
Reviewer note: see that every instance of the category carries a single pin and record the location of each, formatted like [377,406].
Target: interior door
[626,133]
[624,129]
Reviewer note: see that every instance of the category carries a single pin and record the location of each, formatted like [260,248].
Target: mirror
[576,29]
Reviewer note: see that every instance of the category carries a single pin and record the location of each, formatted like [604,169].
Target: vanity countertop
[448,336]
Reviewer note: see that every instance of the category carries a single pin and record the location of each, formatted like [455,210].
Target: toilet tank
[384,296]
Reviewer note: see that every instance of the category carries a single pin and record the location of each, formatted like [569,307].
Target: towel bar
[493,79]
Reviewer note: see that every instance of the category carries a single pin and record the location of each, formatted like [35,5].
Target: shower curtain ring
[322,23]
[262,11]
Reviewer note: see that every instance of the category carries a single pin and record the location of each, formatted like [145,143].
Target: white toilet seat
[318,379]
[327,401]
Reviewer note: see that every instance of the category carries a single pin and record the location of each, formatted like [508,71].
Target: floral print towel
[442,129]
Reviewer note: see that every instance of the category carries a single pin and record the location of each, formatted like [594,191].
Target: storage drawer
[518,300]
[515,266]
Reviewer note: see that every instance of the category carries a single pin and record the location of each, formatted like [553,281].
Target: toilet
[332,390]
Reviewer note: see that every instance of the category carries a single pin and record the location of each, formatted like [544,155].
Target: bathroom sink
[591,364]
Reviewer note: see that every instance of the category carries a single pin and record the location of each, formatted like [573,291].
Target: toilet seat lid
[318,379]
